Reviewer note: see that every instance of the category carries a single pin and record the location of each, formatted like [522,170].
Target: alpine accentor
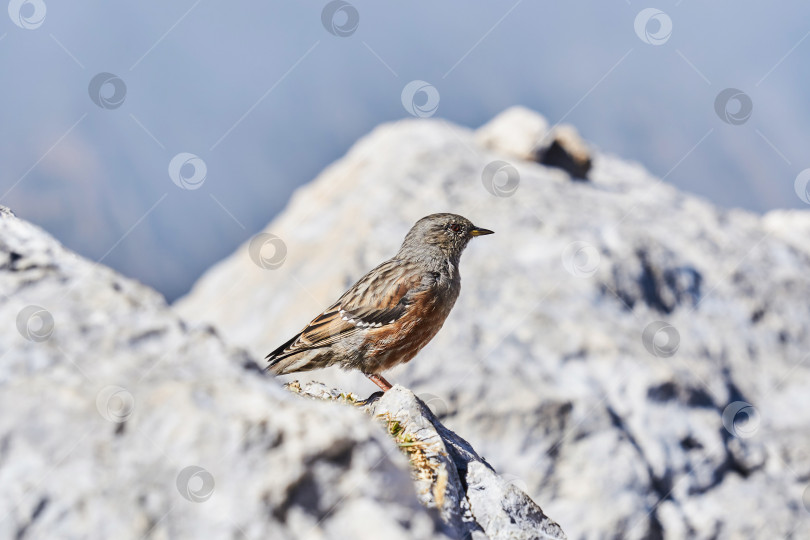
[392,312]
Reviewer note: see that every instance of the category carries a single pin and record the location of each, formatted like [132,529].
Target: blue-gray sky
[267,97]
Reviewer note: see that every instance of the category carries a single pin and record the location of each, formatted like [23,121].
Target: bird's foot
[380,381]
[370,399]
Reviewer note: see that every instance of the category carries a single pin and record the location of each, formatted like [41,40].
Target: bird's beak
[478,231]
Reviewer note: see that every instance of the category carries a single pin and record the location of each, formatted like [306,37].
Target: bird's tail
[289,358]
[298,361]
[282,366]
[281,359]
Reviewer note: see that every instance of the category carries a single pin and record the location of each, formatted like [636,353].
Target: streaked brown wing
[379,298]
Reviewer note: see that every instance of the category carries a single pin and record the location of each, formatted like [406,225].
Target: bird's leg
[380,381]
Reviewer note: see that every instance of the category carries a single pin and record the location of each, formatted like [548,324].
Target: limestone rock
[517,132]
[793,226]
[121,422]
[566,150]
[526,135]
[631,356]
[470,496]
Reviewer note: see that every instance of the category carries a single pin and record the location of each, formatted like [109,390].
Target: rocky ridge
[120,421]
[632,356]
[473,501]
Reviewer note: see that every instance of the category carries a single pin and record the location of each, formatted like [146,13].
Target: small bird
[393,311]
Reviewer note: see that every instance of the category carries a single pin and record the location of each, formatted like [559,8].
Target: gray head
[443,235]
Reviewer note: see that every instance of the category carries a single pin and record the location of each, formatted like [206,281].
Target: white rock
[526,135]
[541,364]
[451,477]
[119,422]
[516,132]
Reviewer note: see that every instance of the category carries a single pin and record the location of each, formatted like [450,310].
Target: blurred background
[99,97]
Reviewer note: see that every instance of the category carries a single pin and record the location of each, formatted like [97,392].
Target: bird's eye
[455,227]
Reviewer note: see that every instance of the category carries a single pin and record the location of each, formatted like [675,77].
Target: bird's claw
[370,399]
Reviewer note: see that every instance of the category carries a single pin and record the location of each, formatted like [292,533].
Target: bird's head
[448,233]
